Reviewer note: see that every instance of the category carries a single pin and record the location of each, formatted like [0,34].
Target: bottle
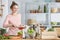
[45,9]
[38,9]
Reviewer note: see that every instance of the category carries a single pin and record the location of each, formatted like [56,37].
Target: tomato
[6,35]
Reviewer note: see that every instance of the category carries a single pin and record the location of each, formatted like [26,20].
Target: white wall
[40,18]
[55,17]
[5,12]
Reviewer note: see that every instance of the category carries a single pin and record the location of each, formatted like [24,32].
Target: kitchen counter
[49,35]
[45,36]
[33,39]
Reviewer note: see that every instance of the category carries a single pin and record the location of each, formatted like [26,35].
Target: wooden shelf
[55,13]
[55,25]
[36,13]
[43,25]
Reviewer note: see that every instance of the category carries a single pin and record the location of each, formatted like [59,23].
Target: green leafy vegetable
[51,29]
[30,31]
[3,31]
[4,37]
[20,33]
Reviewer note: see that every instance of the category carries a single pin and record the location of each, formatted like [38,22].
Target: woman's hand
[10,24]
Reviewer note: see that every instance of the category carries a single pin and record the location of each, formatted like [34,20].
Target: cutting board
[49,35]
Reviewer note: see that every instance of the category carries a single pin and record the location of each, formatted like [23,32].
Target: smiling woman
[13,20]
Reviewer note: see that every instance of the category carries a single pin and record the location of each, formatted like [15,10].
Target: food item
[32,11]
[31,21]
[54,10]
[45,9]
[30,31]
[58,23]
[54,23]
[38,7]
[2,31]
[4,37]
[51,29]
[20,33]
[21,28]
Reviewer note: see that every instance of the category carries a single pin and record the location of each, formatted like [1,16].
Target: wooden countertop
[49,35]
[45,36]
[32,39]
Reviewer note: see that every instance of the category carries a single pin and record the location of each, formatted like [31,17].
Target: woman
[13,20]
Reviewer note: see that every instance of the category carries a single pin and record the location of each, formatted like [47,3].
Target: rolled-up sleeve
[6,22]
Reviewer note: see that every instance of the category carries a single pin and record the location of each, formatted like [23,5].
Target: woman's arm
[6,23]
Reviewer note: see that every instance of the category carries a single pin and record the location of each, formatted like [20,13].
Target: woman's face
[15,9]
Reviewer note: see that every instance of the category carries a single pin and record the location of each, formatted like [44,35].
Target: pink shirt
[15,20]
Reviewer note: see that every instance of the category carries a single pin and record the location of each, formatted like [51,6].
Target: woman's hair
[13,3]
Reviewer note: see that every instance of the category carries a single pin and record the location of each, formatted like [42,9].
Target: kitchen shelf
[39,16]
[43,25]
[55,13]
[55,25]
[54,7]
[36,7]
[37,13]
[49,15]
